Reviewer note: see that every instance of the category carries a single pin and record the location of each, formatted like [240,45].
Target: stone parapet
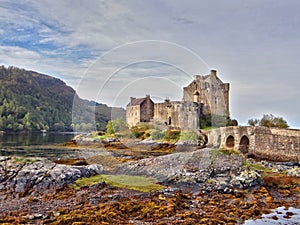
[261,142]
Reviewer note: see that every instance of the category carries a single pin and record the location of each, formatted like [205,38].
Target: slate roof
[137,101]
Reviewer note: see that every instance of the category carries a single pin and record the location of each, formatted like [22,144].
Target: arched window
[230,142]
[196,96]
[244,144]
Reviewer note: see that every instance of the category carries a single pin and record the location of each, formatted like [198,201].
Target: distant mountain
[92,103]
[30,101]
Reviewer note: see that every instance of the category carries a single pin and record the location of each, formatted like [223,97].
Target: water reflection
[27,139]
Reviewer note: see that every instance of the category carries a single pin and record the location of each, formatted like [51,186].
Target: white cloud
[23,58]
[18,55]
[253,44]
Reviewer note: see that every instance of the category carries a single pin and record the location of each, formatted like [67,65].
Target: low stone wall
[277,144]
[262,142]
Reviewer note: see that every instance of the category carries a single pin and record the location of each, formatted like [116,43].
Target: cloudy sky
[110,50]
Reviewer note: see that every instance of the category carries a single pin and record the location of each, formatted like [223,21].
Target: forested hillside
[30,101]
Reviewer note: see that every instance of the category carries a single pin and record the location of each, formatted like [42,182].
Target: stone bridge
[261,142]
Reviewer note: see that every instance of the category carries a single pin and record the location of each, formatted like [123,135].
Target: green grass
[138,183]
[207,128]
[189,136]
[229,151]
[96,136]
[25,160]
[257,167]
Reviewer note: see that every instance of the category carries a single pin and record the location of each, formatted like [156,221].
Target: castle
[206,96]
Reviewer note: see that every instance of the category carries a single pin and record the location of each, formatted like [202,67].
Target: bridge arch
[230,141]
[244,144]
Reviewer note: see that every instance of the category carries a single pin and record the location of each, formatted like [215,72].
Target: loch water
[34,138]
[46,145]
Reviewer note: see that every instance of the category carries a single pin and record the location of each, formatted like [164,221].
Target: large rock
[184,145]
[205,167]
[40,175]
[86,140]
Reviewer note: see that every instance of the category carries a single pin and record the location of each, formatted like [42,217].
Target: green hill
[30,101]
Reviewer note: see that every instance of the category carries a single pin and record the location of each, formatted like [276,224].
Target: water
[37,144]
[29,139]
[280,215]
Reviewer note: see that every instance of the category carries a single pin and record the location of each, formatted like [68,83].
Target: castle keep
[205,95]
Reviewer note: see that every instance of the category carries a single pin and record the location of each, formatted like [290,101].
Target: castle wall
[146,110]
[189,116]
[211,91]
[184,115]
[132,115]
[167,113]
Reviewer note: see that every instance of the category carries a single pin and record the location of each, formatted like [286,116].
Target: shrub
[116,125]
[269,120]
[172,135]
[139,131]
[157,134]
[189,136]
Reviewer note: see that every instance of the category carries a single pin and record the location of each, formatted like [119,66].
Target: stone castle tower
[205,95]
[210,93]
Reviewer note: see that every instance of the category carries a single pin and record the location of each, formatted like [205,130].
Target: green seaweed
[138,183]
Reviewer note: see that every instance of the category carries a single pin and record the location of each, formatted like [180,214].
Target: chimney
[213,73]
[132,99]
[147,96]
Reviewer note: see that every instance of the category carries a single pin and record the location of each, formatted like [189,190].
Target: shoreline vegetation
[30,101]
[117,179]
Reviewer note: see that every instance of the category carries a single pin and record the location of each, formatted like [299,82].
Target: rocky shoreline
[33,176]
[202,186]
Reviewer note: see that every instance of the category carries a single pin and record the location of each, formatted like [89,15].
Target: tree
[116,125]
[269,120]
[253,122]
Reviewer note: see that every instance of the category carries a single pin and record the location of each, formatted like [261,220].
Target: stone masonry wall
[277,144]
[146,110]
[211,92]
[132,115]
[167,112]
[184,115]
[189,116]
[266,143]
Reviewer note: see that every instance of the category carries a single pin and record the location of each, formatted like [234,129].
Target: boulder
[197,167]
[28,176]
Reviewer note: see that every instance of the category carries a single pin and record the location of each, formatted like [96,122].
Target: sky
[111,50]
